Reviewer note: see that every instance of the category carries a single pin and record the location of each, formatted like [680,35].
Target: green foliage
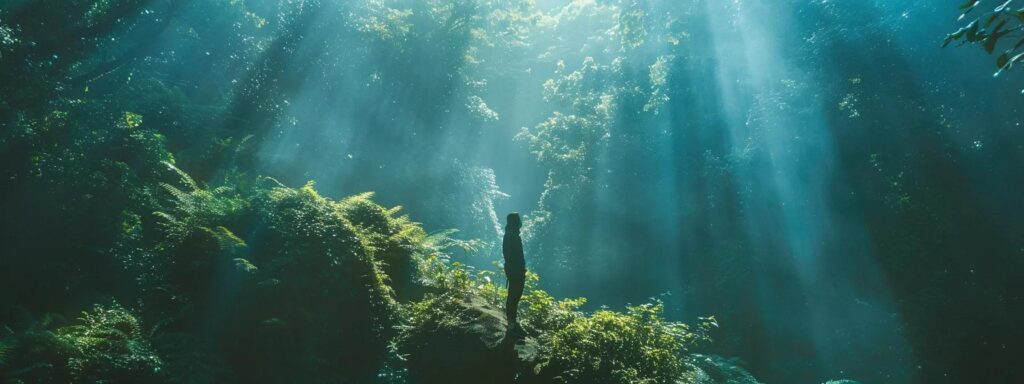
[988,28]
[390,239]
[436,311]
[544,314]
[307,232]
[84,172]
[199,209]
[283,250]
[567,140]
[41,42]
[380,21]
[302,251]
[631,26]
[436,272]
[659,76]
[90,150]
[103,103]
[638,346]
[604,97]
[5,348]
[109,346]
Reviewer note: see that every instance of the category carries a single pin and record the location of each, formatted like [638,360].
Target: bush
[638,346]
[281,281]
[392,240]
[72,183]
[107,346]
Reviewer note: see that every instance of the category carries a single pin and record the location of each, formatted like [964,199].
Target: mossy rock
[711,369]
[317,308]
[284,289]
[473,349]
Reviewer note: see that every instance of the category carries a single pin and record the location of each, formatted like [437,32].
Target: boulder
[472,350]
[468,344]
[710,369]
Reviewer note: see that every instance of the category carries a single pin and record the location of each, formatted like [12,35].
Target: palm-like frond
[6,346]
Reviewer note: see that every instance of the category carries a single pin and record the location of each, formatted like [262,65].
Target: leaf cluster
[991,27]
[635,346]
[106,345]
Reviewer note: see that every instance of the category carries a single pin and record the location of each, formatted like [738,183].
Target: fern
[6,346]
[356,199]
[187,180]
[198,209]
[227,239]
[444,241]
[392,211]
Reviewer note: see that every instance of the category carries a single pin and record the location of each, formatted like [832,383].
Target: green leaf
[245,266]
[5,348]
[1002,60]
[1008,64]
[970,4]
[993,39]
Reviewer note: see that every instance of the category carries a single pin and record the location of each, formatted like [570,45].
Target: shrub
[108,345]
[392,240]
[638,346]
[285,284]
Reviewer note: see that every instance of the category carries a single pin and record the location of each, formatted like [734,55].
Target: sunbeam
[511,191]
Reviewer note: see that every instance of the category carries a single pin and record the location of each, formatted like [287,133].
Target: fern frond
[187,180]
[359,198]
[242,144]
[221,190]
[227,239]
[180,197]
[392,211]
[245,266]
[440,236]
[444,240]
[6,346]
[171,221]
[270,182]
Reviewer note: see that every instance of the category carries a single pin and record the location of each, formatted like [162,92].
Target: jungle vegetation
[817,188]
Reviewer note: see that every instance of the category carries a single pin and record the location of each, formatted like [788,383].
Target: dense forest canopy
[817,190]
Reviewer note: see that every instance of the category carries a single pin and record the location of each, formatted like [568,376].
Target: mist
[841,192]
[741,194]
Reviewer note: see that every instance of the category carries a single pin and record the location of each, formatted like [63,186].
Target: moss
[635,346]
[266,283]
[391,239]
[287,285]
[272,284]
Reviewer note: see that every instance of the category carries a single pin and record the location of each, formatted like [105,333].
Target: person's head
[513,222]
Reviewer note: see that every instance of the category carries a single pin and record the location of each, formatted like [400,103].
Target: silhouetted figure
[515,267]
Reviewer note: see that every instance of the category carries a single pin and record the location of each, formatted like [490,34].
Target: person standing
[515,268]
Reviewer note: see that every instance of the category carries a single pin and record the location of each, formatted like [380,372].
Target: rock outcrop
[710,369]
[475,350]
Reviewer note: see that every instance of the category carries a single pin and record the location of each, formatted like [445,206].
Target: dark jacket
[512,249]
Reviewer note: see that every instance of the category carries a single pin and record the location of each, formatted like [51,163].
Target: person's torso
[512,249]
